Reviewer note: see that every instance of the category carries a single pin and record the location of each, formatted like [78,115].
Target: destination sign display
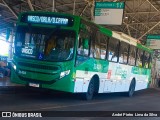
[47,19]
[109,13]
[153,41]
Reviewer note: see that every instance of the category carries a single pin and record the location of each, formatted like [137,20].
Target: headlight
[64,73]
[14,66]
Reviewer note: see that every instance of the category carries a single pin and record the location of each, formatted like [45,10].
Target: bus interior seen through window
[45,44]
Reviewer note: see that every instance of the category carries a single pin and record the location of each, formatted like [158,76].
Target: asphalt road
[34,100]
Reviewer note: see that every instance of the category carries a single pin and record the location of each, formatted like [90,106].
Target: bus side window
[146,59]
[100,46]
[123,55]
[113,49]
[92,49]
[83,47]
[139,61]
[132,56]
[149,60]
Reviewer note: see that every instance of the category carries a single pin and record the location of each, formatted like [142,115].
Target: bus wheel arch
[93,88]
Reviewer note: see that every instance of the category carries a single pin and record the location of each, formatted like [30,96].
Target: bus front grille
[29,80]
[38,66]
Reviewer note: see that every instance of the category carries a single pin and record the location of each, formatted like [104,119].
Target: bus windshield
[44,44]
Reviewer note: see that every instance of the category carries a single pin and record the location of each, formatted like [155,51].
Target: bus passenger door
[82,57]
[84,41]
[82,51]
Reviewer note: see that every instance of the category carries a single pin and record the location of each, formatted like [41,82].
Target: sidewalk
[5,84]
[5,81]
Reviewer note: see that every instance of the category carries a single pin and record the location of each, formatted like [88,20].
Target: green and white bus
[68,53]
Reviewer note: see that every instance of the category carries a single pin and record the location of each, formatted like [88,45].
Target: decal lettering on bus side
[97,66]
[109,74]
[122,72]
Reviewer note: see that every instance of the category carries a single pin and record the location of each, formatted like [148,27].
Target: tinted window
[100,46]
[44,44]
[123,55]
[146,59]
[139,61]
[83,43]
[132,56]
[113,49]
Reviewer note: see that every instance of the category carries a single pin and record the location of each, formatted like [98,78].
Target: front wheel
[90,92]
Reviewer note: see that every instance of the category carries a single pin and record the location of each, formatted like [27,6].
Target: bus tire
[91,90]
[131,88]
[158,82]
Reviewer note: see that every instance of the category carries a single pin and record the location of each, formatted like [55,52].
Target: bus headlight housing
[64,73]
[14,66]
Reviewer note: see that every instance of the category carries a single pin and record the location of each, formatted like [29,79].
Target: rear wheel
[158,82]
[131,89]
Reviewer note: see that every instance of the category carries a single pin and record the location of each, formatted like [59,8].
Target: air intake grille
[37,81]
[38,66]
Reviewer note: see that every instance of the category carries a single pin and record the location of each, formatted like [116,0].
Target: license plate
[33,84]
